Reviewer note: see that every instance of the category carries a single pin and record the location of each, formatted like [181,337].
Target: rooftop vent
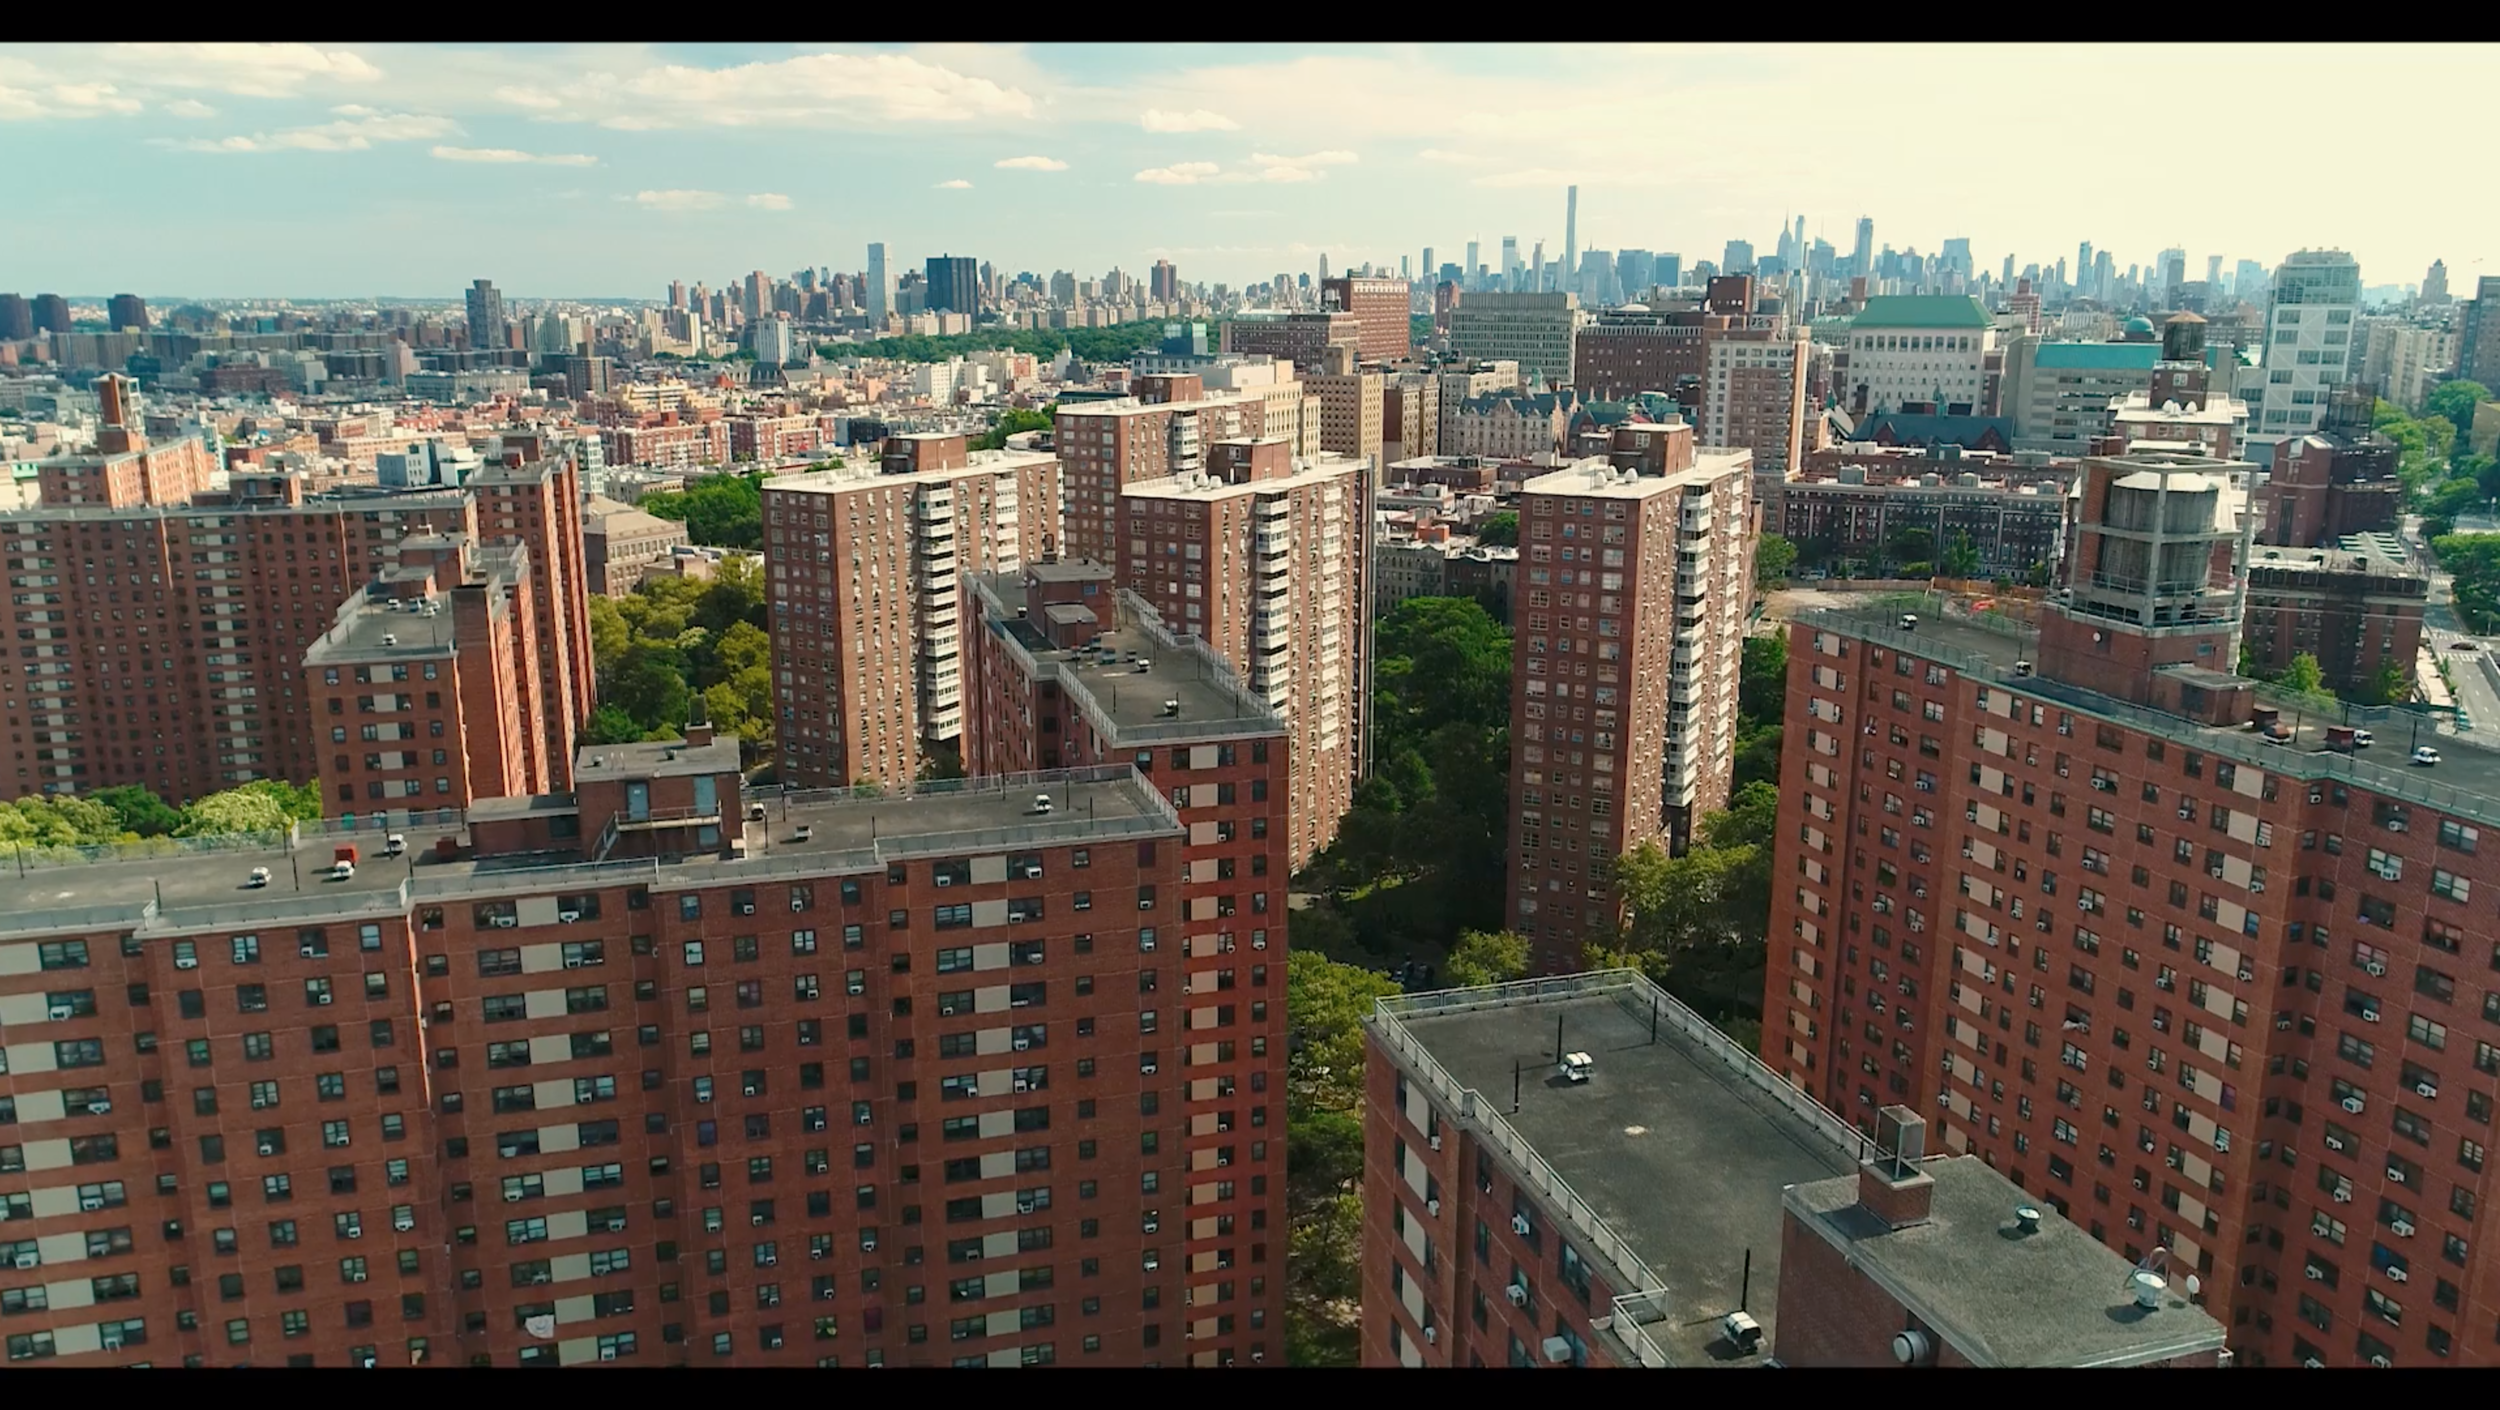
[2026,1219]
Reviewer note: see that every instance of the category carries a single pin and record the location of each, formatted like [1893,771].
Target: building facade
[2310,347]
[1535,331]
[1754,398]
[1632,601]
[563,1210]
[1382,309]
[1105,446]
[863,566]
[1267,559]
[1920,350]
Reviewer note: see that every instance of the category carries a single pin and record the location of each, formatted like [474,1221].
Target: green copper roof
[1923,311]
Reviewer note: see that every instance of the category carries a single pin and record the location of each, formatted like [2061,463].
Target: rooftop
[860,473]
[1924,311]
[2465,783]
[200,884]
[656,759]
[2053,1297]
[1200,485]
[370,628]
[1599,478]
[2108,357]
[1105,679]
[1667,1164]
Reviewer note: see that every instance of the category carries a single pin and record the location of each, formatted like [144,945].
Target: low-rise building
[1584,1172]
[619,541]
[2355,607]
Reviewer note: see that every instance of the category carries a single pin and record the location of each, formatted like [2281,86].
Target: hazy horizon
[237,171]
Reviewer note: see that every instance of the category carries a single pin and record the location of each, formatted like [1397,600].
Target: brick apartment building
[1164,430]
[2338,480]
[1267,558]
[1352,406]
[1853,513]
[2356,607]
[2161,946]
[1754,398]
[619,541]
[1512,1218]
[210,696]
[1633,594]
[863,565]
[1627,351]
[1016,1188]
[1068,671]
[1383,314]
[1298,338]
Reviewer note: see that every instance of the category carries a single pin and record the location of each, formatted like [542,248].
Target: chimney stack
[699,733]
[1890,1184]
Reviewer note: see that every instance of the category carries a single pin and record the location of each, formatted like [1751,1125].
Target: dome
[2139,324]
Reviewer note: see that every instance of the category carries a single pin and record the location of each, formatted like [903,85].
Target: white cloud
[511,156]
[1435,154]
[1030,164]
[244,70]
[769,201]
[808,90]
[71,100]
[679,200]
[189,108]
[958,184]
[520,97]
[1179,174]
[354,133]
[1193,120]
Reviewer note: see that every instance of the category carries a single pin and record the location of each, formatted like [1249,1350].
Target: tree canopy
[721,511]
[1487,957]
[1773,556]
[1325,1004]
[1117,343]
[1015,420]
[674,641]
[1499,530]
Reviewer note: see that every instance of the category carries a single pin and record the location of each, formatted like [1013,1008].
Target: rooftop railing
[1642,1298]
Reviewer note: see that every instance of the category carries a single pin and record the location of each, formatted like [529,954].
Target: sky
[363,170]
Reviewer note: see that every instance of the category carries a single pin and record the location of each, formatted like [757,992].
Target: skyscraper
[880,298]
[2213,271]
[2434,284]
[486,320]
[2309,323]
[17,318]
[1510,263]
[1738,258]
[1862,259]
[1475,264]
[677,293]
[126,312]
[2083,270]
[1571,232]
[954,284]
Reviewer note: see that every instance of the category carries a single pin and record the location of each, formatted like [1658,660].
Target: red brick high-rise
[864,566]
[194,686]
[1384,308]
[461,1109]
[2201,992]
[1633,593]
[1066,670]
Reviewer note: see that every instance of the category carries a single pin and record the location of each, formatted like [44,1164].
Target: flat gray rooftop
[2053,1297]
[193,888]
[2466,781]
[1107,671]
[1666,1142]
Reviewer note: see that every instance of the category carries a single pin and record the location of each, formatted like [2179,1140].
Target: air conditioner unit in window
[866,1245]
[1435,1138]
[2369,1015]
[111,1341]
[2374,969]
[59,1013]
[1518,1295]
[91,1203]
[2396,1174]
[512,1196]
[771,1258]
[1032,871]
[321,998]
[1519,1225]
[2315,1273]
[404,1223]
[2396,1274]
[2334,1143]
[186,962]
[2425,1089]
[2343,1194]
[1024,1206]
[2381,1362]
[747,1091]
[944,879]
[29,1260]
[505,922]
[2403,1228]
[607,1353]
[1147,1068]
[268,1148]
[2354,1104]
[308,952]
[756,1219]
[746,908]
[1433,1207]
[568,917]
[816,1253]
[1432,1334]
[98,1108]
[1021,1044]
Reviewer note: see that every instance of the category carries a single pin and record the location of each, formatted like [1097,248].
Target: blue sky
[341,170]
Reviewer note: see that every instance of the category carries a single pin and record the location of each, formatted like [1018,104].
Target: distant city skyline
[604,171]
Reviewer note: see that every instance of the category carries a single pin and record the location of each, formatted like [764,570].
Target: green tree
[2390,684]
[139,811]
[610,634]
[2302,676]
[1762,678]
[1499,530]
[2455,402]
[1912,544]
[1325,1004]
[1773,557]
[1757,754]
[723,511]
[1961,556]
[236,810]
[651,687]
[1015,421]
[609,724]
[1487,957]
